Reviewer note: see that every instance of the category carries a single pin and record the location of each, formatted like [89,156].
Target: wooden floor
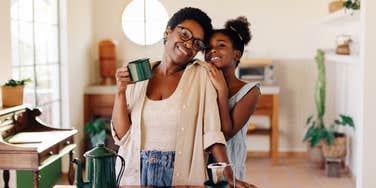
[293,173]
[290,173]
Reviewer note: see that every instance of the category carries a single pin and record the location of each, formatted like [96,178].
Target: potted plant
[352,4]
[334,144]
[330,141]
[96,131]
[317,130]
[12,92]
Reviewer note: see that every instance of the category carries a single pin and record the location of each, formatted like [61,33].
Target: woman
[164,125]
[236,99]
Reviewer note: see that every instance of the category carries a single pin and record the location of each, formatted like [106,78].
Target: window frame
[17,65]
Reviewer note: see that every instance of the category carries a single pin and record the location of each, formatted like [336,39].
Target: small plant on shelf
[352,4]
[15,83]
[12,92]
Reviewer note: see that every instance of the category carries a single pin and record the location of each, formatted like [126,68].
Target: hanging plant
[351,4]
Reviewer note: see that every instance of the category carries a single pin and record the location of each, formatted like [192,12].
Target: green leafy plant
[96,131]
[15,83]
[352,4]
[315,134]
[317,130]
[343,121]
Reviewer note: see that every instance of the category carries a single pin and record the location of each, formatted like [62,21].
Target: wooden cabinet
[268,106]
[97,105]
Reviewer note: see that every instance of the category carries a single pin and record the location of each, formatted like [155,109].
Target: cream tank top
[159,123]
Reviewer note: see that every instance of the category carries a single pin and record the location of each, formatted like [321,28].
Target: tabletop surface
[72,186]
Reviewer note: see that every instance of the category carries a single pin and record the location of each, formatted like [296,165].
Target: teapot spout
[78,177]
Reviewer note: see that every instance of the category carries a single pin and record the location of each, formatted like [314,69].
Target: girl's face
[221,52]
[184,41]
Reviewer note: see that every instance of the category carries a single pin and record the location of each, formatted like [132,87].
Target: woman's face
[221,52]
[184,41]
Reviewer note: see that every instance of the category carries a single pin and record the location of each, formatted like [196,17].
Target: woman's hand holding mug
[123,78]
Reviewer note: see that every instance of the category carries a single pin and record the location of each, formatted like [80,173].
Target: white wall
[5,62]
[5,48]
[278,31]
[343,88]
[367,144]
[76,62]
[285,31]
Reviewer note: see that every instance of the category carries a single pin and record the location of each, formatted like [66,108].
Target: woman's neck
[168,67]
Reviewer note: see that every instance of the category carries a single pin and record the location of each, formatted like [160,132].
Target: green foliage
[317,130]
[352,4]
[15,83]
[96,131]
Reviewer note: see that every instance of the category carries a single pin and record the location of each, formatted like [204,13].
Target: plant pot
[12,96]
[315,155]
[335,5]
[337,149]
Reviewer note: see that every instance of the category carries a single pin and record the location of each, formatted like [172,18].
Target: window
[144,21]
[35,54]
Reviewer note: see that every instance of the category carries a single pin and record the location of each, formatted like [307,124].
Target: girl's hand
[238,184]
[123,78]
[217,78]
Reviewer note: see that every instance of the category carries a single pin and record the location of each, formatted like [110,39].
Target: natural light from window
[35,54]
[144,21]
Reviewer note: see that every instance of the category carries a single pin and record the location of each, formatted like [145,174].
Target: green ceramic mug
[140,70]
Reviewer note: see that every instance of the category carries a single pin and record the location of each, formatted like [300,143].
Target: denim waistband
[162,158]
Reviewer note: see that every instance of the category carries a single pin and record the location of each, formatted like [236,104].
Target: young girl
[236,99]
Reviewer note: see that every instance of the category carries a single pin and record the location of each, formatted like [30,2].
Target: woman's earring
[164,37]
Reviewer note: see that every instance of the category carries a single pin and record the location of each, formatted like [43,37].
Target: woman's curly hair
[190,13]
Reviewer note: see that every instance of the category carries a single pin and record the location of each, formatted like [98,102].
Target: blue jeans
[157,168]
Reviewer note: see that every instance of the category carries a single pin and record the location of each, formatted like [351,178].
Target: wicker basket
[335,5]
[337,149]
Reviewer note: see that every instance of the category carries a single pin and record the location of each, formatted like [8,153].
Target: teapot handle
[121,170]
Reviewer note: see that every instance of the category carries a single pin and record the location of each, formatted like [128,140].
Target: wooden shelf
[248,62]
[347,59]
[341,16]
[259,131]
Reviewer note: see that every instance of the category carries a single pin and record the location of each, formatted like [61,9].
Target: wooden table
[26,154]
[128,186]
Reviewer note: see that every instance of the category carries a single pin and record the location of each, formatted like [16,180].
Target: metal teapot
[100,169]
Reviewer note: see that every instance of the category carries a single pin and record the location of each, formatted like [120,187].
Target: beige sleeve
[212,121]
[119,141]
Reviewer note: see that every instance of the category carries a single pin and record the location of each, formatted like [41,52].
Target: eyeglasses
[185,35]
